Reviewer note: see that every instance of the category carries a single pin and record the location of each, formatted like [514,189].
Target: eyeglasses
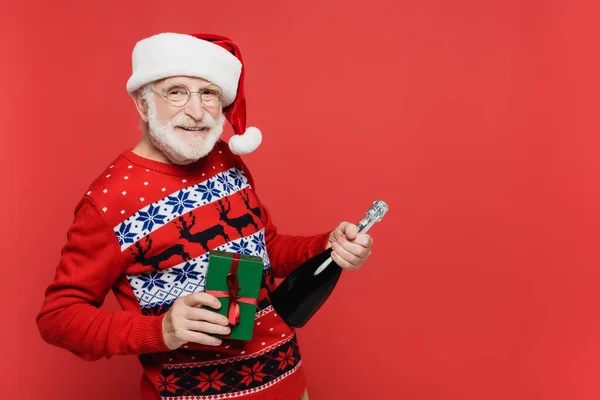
[180,95]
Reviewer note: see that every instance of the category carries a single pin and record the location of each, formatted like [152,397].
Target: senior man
[145,227]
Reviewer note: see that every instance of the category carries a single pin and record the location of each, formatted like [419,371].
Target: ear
[141,105]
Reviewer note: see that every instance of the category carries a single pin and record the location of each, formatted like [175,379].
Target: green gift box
[235,280]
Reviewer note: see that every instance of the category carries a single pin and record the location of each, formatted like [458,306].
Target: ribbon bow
[233,312]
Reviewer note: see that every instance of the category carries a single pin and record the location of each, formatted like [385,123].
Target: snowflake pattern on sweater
[164,220]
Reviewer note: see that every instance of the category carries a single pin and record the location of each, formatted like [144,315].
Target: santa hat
[212,57]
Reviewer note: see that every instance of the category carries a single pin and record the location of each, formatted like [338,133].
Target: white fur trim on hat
[174,54]
[246,143]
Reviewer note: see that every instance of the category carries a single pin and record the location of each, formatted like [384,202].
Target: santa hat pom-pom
[246,143]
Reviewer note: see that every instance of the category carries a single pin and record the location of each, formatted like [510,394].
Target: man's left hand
[350,248]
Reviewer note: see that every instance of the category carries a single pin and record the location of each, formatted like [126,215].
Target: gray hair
[146,94]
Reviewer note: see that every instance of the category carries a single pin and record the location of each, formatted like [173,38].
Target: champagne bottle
[300,295]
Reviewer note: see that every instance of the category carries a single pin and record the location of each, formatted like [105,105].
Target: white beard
[183,148]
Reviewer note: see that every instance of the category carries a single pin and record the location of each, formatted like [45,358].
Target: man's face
[184,133]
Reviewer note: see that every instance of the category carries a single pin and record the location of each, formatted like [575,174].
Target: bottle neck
[374,214]
[366,223]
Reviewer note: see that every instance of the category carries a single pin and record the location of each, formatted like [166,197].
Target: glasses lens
[178,95]
[210,96]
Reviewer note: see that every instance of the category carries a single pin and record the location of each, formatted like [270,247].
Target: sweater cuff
[149,335]
[319,244]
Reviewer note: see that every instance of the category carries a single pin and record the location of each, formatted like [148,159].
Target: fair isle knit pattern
[156,224]
[180,268]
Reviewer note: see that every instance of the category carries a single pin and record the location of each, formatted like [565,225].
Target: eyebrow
[175,82]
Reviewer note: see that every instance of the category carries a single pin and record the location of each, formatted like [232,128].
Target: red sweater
[137,231]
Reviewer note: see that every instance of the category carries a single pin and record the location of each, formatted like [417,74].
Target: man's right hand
[188,322]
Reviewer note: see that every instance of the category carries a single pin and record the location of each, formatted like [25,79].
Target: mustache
[185,121]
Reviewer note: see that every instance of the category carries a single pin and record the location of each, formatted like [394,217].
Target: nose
[194,108]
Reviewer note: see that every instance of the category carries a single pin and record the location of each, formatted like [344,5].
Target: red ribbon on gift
[233,284]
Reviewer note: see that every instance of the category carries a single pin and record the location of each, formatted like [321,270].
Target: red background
[475,120]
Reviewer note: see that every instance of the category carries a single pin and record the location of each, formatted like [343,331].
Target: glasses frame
[212,86]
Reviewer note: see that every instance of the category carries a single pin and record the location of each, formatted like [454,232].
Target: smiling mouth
[194,129]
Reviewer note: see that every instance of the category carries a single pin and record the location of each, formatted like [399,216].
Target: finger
[353,248]
[200,338]
[207,327]
[345,254]
[203,314]
[340,261]
[364,240]
[336,234]
[200,298]
[349,230]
